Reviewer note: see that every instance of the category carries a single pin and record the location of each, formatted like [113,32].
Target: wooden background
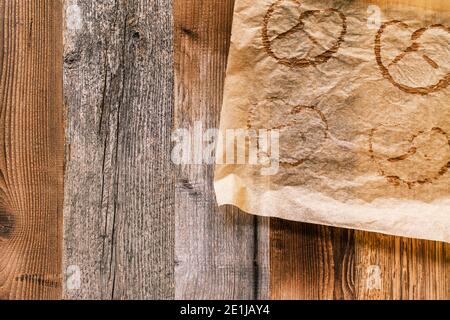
[31,149]
[135,225]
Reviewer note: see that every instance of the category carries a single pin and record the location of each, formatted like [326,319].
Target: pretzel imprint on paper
[413,48]
[296,112]
[398,179]
[308,61]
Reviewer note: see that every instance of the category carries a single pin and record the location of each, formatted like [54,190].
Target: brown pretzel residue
[397,180]
[294,111]
[414,47]
[302,62]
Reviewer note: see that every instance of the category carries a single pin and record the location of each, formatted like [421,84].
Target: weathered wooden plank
[119,195]
[316,262]
[310,262]
[220,253]
[394,268]
[31,149]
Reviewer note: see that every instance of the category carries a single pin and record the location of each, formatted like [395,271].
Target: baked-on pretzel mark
[302,62]
[414,47]
[295,110]
[396,180]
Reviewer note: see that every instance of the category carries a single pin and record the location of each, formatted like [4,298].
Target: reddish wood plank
[395,268]
[311,262]
[31,149]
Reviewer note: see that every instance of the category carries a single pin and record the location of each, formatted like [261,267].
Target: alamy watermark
[374,18]
[207,146]
[258,147]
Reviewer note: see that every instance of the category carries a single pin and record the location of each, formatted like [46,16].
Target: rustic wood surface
[220,253]
[135,225]
[323,263]
[311,262]
[119,195]
[394,268]
[31,149]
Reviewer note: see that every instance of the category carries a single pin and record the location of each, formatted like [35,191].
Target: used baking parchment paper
[348,111]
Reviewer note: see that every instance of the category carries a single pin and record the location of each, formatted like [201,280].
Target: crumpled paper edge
[412,219]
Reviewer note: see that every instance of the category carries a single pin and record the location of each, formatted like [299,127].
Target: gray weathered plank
[119,193]
[220,253]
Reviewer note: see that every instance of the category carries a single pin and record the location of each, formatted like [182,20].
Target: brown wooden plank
[32,149]
[318,262]
[119,206]
[220,253]
[310,262]
[397,268]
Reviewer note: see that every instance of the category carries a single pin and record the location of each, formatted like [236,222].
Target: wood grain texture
[220,253]
[119,195]
[31,149]
[317,262]
[310,262]
[394,268]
